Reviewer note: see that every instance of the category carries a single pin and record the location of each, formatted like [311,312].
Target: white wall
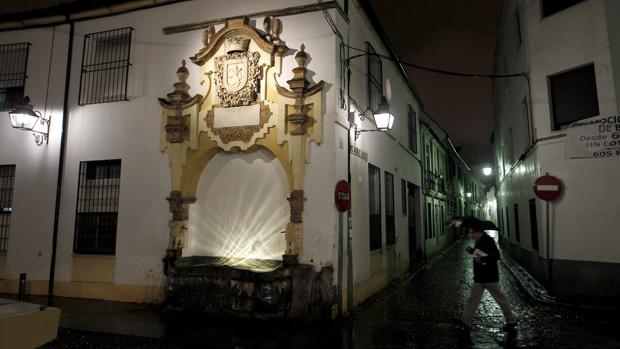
[583,219]
[388,151]
[130,131]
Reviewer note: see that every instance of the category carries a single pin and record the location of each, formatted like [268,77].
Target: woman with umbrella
[485,256]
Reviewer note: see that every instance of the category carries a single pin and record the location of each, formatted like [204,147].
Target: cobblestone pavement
[421,313]
[425,312]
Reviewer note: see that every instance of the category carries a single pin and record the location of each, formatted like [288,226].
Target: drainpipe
[61,164]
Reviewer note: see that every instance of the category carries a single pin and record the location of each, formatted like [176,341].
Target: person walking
[486,277]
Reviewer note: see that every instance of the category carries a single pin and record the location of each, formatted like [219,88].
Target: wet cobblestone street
[424,313]
[421,313]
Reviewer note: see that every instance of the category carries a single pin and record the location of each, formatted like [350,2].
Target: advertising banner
[597,137]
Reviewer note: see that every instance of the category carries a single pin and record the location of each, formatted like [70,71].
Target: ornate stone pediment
[243,108]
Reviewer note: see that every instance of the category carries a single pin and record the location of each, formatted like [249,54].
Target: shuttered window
[374,207]
[573,96]
[390,223]
[375,78]
[413,130]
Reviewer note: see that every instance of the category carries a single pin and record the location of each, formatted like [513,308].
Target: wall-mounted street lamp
[487,171]
[384,119]
[24,117]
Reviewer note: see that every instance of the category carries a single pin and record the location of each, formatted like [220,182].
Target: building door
[412,211]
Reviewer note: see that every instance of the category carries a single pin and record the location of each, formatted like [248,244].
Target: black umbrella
[471,222]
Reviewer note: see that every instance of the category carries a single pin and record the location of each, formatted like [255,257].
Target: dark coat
[486,270]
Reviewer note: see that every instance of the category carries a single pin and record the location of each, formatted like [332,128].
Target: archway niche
[241,208]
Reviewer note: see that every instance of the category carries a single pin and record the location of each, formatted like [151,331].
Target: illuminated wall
[241,208]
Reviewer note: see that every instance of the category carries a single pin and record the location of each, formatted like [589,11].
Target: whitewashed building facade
[185,176]
[569,52]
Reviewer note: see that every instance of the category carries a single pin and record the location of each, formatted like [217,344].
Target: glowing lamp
[383,117]
[487,171]
[468,195]
[25,118]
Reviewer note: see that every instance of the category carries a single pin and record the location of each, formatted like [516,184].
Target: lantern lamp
[383,117]
[25,118]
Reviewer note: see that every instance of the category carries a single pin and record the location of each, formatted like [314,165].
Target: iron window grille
[97,207]
[375,78]
[374,207]
[105,66]
[13,67]
[573,96]
[7,182]
[390,224]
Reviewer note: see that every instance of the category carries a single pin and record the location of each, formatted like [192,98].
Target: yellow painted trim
[93,268]
[91,290]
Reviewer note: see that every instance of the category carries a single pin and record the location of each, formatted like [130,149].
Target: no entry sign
[343,196]
[547,188]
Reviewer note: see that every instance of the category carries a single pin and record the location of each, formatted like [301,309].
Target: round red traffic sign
[343,196]
[547,188]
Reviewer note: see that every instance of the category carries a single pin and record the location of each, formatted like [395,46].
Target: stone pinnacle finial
[301,57]
[182,72]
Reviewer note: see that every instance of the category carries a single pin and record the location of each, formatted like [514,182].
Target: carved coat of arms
[237,73]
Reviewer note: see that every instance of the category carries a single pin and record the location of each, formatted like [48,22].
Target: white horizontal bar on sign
[547,187]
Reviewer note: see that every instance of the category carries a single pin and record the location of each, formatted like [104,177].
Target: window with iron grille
[7,181]
[375,78]
[13,63]
[97,207]
[374,207]
[105,66]
[390,224]
[573,96]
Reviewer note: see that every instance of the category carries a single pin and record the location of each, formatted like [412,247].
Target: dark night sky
[453,35]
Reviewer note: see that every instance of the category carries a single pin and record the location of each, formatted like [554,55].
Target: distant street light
[468,195]
[487,171]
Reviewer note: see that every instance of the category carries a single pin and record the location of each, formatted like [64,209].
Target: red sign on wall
[548,188]
[343,196]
